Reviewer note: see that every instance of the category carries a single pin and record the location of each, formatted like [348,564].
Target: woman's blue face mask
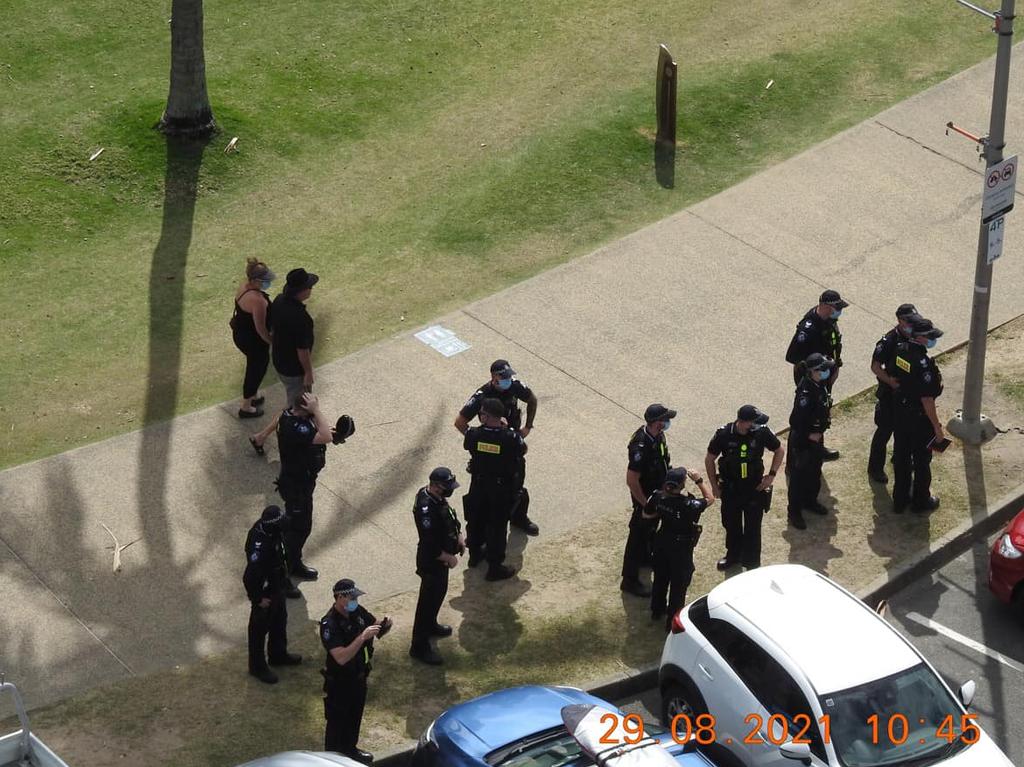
[265,284]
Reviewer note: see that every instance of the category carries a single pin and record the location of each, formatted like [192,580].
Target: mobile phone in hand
[939,446]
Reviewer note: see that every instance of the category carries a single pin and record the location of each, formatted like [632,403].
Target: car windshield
[908,718]
[558,749]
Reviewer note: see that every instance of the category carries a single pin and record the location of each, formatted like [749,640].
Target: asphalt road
[950,616]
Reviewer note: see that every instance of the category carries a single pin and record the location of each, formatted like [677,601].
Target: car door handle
[705,671]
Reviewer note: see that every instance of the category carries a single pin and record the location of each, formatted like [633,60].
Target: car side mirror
[800,752]
[967,690]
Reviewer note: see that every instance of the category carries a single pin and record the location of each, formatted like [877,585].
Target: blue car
[522,727]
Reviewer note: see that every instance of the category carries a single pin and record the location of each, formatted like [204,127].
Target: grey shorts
[293,387]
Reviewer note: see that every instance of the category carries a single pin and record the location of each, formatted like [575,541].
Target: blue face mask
[836,313]
[906,329]
[825,374]
[931,343]
[352,606]
[665,425]
[265,284]
[504,384]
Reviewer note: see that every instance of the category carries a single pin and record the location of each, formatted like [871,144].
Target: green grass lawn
[415,154]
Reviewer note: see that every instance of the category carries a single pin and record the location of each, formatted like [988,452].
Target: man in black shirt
[266,581]
[495,457]
[347,632]
[818,333]
[887,383]
[916,422]
[292,334]
[675,515]
[303,434]
[440,545]
[741,483]
[504,386]
[808,422]
[649,462]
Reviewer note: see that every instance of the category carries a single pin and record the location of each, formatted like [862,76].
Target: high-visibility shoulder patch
[902,364]
[488,447]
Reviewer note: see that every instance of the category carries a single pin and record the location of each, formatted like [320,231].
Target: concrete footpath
[695,311]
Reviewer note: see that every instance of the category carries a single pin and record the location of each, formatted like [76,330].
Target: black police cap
[658,412]
[442,475]
[905,310]
[502,369]
[924,328]
[751,413]
[819,361]
[346,587]
[272,515]
[833,298]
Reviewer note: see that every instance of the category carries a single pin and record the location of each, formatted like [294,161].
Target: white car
[781,663]
[303,759]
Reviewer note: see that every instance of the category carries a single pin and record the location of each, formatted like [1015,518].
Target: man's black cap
[442,475]
[272,515]
[299,279]
[833,298]
[343,429]
[493,406]
[346,587]
[751,413]
[818,361]
[676,476]
[502,369]
[905,310]
[925,328]
[658,412]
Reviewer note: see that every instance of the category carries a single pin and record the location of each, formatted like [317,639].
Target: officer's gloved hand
[342,430]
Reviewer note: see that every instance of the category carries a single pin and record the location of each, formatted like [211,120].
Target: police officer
[303,434]
[504,386]
[741,483]
[915,423]
[347,632]
[440,545]
[649,462]
[808,422]
[818,332]
[675,515]
[266,581]
[495,456]
[887,383]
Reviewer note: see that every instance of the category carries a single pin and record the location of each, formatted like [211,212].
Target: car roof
[489,722]
[821,627]
[303,759]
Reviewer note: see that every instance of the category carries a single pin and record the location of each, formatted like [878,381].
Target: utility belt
[691,537]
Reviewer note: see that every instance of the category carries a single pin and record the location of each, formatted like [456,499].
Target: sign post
[1000,178]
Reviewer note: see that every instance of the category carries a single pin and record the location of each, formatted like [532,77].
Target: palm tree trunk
[188,110]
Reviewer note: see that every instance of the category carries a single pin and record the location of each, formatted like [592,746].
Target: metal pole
[971,426]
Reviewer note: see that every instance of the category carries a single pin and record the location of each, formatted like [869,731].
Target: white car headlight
[1007,549]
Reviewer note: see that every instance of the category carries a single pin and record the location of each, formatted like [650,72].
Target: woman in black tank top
[250,329]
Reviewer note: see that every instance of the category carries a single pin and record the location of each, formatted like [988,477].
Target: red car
[1006,564]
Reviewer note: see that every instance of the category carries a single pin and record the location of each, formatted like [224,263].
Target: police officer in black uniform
[504,386]
[675,515]
[649,462]
[808,422]
[742,484]
[303,434]
[347,632]
[818,332]
[266,581]
[887,383]
[495,458]
[916,423]
[440,545]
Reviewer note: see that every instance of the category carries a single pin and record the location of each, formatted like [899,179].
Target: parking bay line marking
[966,641]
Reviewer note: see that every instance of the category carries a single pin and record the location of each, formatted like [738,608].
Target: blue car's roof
[492,721]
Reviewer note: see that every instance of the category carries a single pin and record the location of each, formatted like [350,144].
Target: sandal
[257,401]
[257,448]
[257,413]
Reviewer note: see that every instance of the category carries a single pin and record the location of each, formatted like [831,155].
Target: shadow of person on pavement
[813,547]
[490,624]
